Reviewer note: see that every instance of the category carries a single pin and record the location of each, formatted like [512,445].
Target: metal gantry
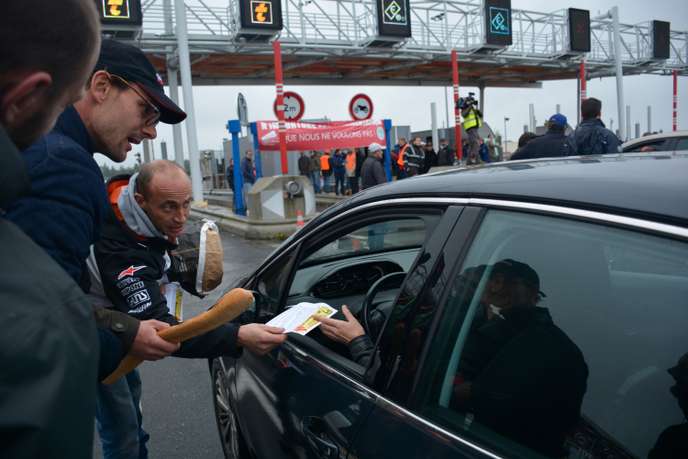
[334,29]
[336,42]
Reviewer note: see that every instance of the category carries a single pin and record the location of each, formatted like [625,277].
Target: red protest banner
[321,136]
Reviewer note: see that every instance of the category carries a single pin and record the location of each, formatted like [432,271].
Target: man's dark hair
[591,108]
[525,138]
[52,36]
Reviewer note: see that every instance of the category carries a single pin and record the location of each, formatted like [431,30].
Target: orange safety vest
[351,161]
[402,153]
[325,162]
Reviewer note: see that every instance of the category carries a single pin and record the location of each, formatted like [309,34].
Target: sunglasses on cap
[151,114]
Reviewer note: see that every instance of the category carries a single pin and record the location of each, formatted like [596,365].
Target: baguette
[227,308]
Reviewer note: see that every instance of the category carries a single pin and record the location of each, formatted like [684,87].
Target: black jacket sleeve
[379,173]
[130,281]
[361,349]
[123,326]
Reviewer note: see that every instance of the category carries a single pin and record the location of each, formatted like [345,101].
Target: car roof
[652,137]
[652,186]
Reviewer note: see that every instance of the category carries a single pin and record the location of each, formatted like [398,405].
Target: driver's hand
[342,331]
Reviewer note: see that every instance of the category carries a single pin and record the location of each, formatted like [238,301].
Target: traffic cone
[299,219]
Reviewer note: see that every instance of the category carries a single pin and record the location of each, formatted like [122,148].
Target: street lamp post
[505,120]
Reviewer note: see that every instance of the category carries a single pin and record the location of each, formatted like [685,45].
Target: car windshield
[377,237]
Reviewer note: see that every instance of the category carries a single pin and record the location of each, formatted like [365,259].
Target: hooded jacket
[129,264]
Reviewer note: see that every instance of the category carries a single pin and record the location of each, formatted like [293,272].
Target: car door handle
[318,439]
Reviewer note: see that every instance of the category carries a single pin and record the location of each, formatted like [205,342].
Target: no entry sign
[293,106]
[361,107]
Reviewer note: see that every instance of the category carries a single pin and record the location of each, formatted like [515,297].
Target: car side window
[561,338]
[340,269]
[682,144]
[271,282]
[654,145]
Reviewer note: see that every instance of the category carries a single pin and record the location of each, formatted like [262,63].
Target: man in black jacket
[592,137]
[49,343]
[130,266]
[372,172]
[553,144]
[304,164]
[446,154]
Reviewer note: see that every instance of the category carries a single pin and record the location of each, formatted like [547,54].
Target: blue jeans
[118,416]
[315,179]
[339,187]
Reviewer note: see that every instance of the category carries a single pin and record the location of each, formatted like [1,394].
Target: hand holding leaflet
[299,318]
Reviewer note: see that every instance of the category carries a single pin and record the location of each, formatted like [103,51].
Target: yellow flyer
[299,318]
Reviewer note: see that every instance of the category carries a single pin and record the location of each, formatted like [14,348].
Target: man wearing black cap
[519,374]
[553,144]
[123,104]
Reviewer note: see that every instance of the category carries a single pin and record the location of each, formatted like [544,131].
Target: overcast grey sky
[411,105]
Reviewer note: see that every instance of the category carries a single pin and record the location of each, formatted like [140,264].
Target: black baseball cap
[129,62]
[516,270]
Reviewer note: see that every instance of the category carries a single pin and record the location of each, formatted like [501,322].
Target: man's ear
[140,199]
[25,98]
[100,86]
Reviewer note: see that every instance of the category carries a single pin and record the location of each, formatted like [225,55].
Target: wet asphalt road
[177,395]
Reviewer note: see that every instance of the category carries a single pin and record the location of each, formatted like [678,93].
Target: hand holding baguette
[228,307]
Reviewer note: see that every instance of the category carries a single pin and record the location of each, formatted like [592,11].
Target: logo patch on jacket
[130,271]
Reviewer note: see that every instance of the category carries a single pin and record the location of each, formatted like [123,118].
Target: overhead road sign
[498,23]
[393,22]
[661,31]
[361,107]
[260,19]
[294,107]
[324,47]
[121,18]
[579,30]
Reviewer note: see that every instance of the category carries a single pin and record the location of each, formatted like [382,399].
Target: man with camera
[472,120]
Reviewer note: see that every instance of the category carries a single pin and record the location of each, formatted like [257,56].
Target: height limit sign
[293,106]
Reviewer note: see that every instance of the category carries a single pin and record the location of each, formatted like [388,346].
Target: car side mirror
[257,312]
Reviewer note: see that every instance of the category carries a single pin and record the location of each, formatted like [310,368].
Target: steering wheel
[386,282]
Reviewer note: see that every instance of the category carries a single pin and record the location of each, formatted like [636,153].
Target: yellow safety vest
[472,120]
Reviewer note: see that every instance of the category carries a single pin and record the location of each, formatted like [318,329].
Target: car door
[308,398]
[556,336]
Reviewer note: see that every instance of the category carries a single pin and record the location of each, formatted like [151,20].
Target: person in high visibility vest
[472,121]
[401,158]
[326,171]
[350,164]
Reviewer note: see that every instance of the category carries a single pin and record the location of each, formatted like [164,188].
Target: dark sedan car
[528,309]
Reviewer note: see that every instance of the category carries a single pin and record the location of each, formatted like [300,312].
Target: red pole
[674,115]
[279,87]
[457,112]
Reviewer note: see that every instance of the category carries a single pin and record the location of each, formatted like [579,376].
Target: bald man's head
[163,190]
